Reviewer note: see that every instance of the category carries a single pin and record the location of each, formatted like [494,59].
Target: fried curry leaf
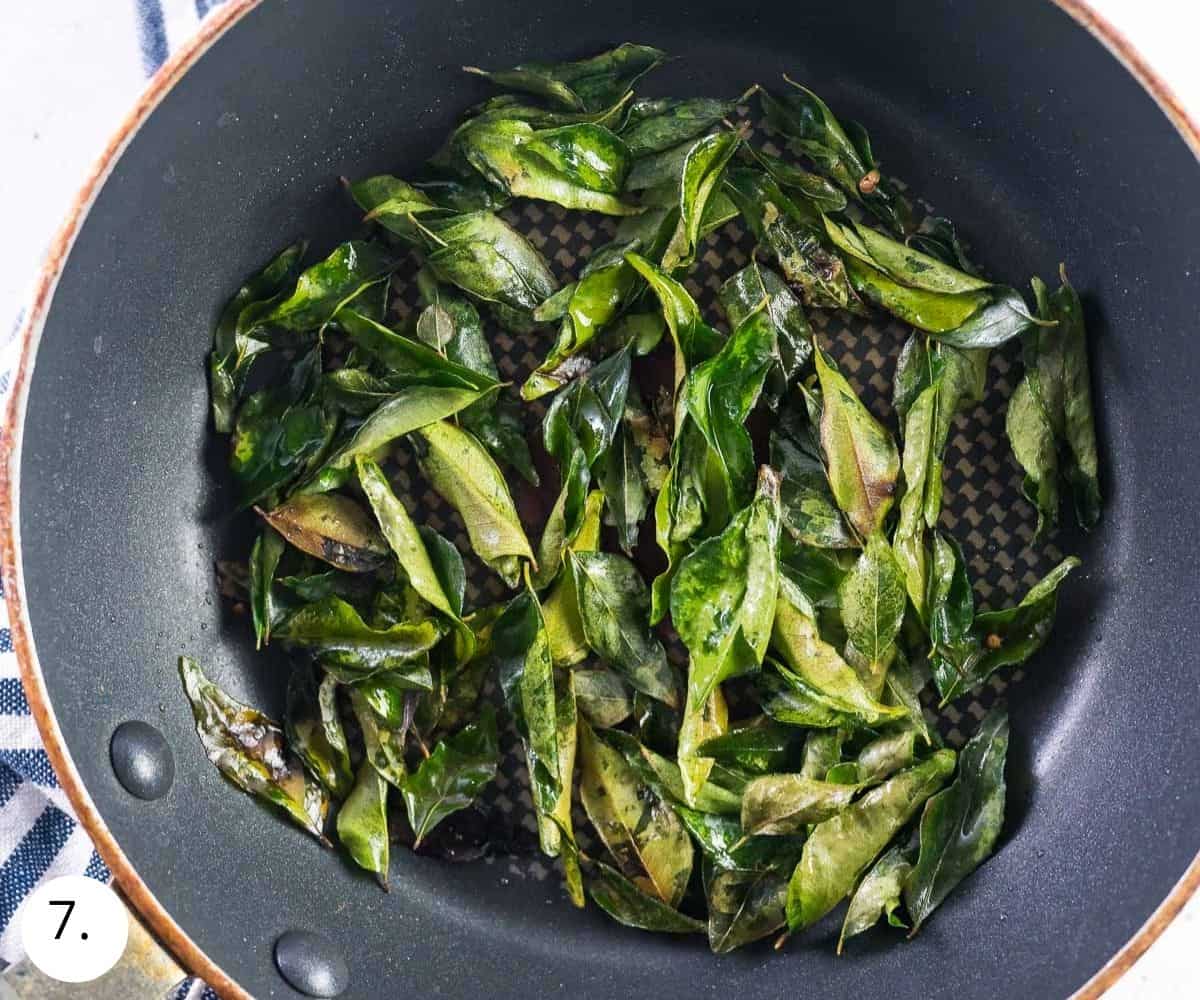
[264,558]
[700,180]
[337,635]
[627,904]
[392,202]
[860,455]
[484,256]
[564,629]
[1001,638]
[362,823]
[643,834]
[587,84]
[723,595]
[807,508]
[824,674]
[463,473]
[321,290]
[413,409]
[784,804]
[753,288]
[873,601]
[526,674]
[651,126]
[249,749]
[841,152]
[878,893]
[602,697]
[453,775]
[1050,422]
[314,731]
[759,746]
[960,825]
[331,527]
[749,902]
[613,608]
[233,348]
[839,849]
[280,431]
[793,232]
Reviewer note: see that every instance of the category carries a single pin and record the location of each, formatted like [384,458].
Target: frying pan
[1011,118]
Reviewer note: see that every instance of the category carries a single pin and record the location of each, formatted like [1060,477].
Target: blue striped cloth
[39,836]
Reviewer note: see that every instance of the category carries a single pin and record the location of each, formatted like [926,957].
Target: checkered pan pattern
[984,509]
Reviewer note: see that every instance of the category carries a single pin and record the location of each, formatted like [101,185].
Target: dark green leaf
[651,126]
[793,232]
[233,349]
[324,288]
[960,825]
[807,507]
[748,903]
[613,608]
[878,893]
[723,595]
[249,749]
[754,288]
[584,85]
[338,636]
[700,180]
[560,610]
[453,775]
[628,905]
[314,731]
[264,558]
[759,746]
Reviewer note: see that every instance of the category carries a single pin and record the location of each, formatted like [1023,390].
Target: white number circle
[74,928]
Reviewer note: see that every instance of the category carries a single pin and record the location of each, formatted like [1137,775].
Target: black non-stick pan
[1010,118]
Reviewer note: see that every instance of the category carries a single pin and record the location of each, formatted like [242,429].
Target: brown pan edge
[152,912]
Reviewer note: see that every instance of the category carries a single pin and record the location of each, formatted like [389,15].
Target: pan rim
[147,907]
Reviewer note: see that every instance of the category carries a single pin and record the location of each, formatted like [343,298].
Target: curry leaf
[362,823]
[613,608]
[700,180]
[642,833]
[526,673]
[877,894]
[338,637]
[784,804]
[602,697]
[860,454]
[564,629]
[331,527]
[650,126]
[807,508]
[960,825]
[233,348]
[840,848]
[748,903]
[314,730]
[457,770]
[264,558]
[873,601]
[458,467]
[817,664]
[723,595]
[249,749]
[627,904]
[324,288]
[584,85]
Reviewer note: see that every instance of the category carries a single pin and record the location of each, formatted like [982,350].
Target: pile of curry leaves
[821,581]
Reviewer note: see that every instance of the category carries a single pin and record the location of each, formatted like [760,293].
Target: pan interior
[123,503]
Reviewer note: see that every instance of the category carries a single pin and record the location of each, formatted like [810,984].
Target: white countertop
[50,135]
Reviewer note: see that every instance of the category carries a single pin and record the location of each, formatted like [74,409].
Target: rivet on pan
[311,964]
[142,759]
